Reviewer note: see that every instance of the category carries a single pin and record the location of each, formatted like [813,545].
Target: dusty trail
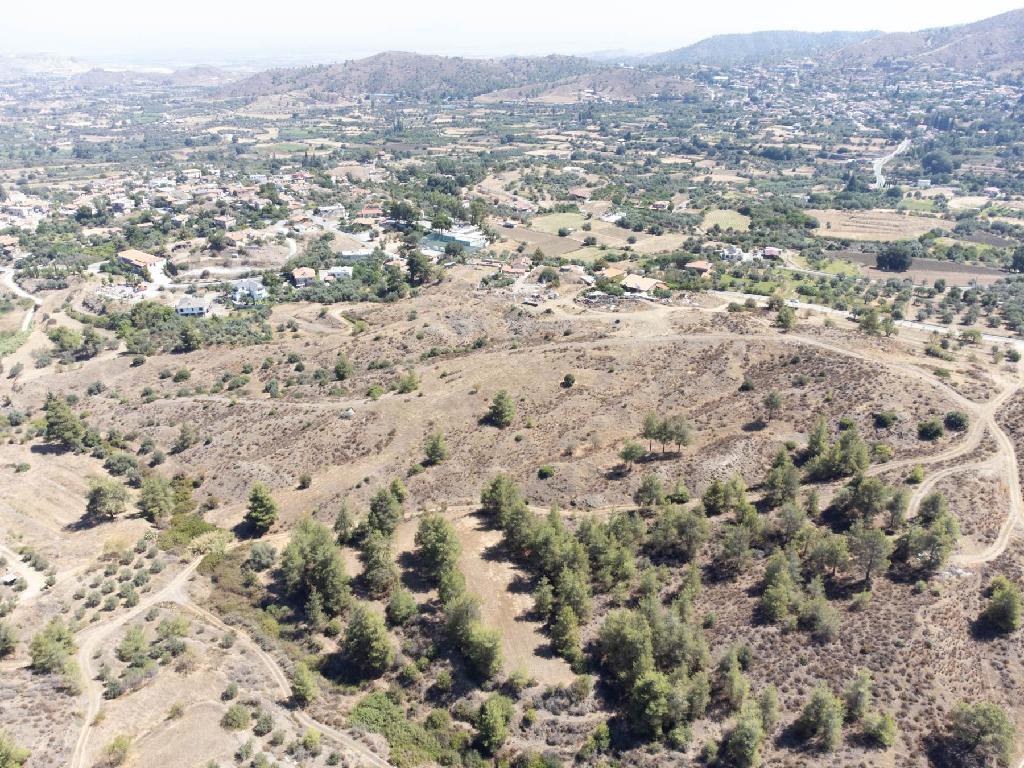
[176,591]
[90,640]
[658,330]
[34,579]
[983,415]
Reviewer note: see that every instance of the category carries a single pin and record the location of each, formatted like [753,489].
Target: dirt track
[652,326]
[176,591]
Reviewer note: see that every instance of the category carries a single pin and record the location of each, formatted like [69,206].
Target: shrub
[116,752]
[236,718]
[1003,612]
[410,743]
[930,429]
[956,421]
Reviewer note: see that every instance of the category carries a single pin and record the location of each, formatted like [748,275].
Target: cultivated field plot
[924,271]
[726,219]
[874,225]
[551,223]
[593,253]
[550,244]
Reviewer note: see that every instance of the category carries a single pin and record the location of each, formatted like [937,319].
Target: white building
[193,306]
[249,290]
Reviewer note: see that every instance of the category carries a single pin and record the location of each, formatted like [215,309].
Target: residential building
[249,290]
[193,306]
[640,284]
[140,261]
[303,276]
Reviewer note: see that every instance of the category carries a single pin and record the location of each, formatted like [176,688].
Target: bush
[822,719]
[931,429]
[492,722]
[401,606]
[984,731]
[261,556]
[236,718]
[956,421]
[546,472]
[116,752]
[502,410]
[410,743]
[880,729]
[1003,612]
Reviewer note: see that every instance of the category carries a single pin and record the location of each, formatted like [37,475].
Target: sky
[224,31]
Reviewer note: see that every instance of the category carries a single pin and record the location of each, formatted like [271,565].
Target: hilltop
[413,75]
[990,45]
[729,50]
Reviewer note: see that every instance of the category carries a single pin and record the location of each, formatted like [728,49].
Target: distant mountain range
[414,75]
[193,77]
[991,46]
[757,47]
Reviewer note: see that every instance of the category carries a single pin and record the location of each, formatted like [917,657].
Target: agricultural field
[726,219]
[879,225]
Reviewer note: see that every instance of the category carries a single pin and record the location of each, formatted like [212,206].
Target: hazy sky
[319,30]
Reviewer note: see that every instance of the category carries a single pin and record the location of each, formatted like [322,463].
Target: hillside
[990,45]
[200,76]
[412,75]
[36,64]
[606,85]
[728,50]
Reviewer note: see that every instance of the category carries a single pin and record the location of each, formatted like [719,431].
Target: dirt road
[34,579]
[176,591]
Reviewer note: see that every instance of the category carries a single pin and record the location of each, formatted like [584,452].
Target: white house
[336,273]
[193,306]
[249,291]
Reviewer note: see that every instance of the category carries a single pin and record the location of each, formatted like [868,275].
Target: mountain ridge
[743,48]
[990,45]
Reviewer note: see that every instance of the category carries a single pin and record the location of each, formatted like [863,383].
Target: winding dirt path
[659,330]
[35,581]
[176,591]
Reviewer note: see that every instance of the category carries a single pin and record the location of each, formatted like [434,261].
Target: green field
[592,253]
[831,266]
[284,147]
[921,206]
[726,220]
[550,223]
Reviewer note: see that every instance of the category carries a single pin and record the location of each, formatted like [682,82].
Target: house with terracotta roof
[140,261]
[610,273]
[303,276]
